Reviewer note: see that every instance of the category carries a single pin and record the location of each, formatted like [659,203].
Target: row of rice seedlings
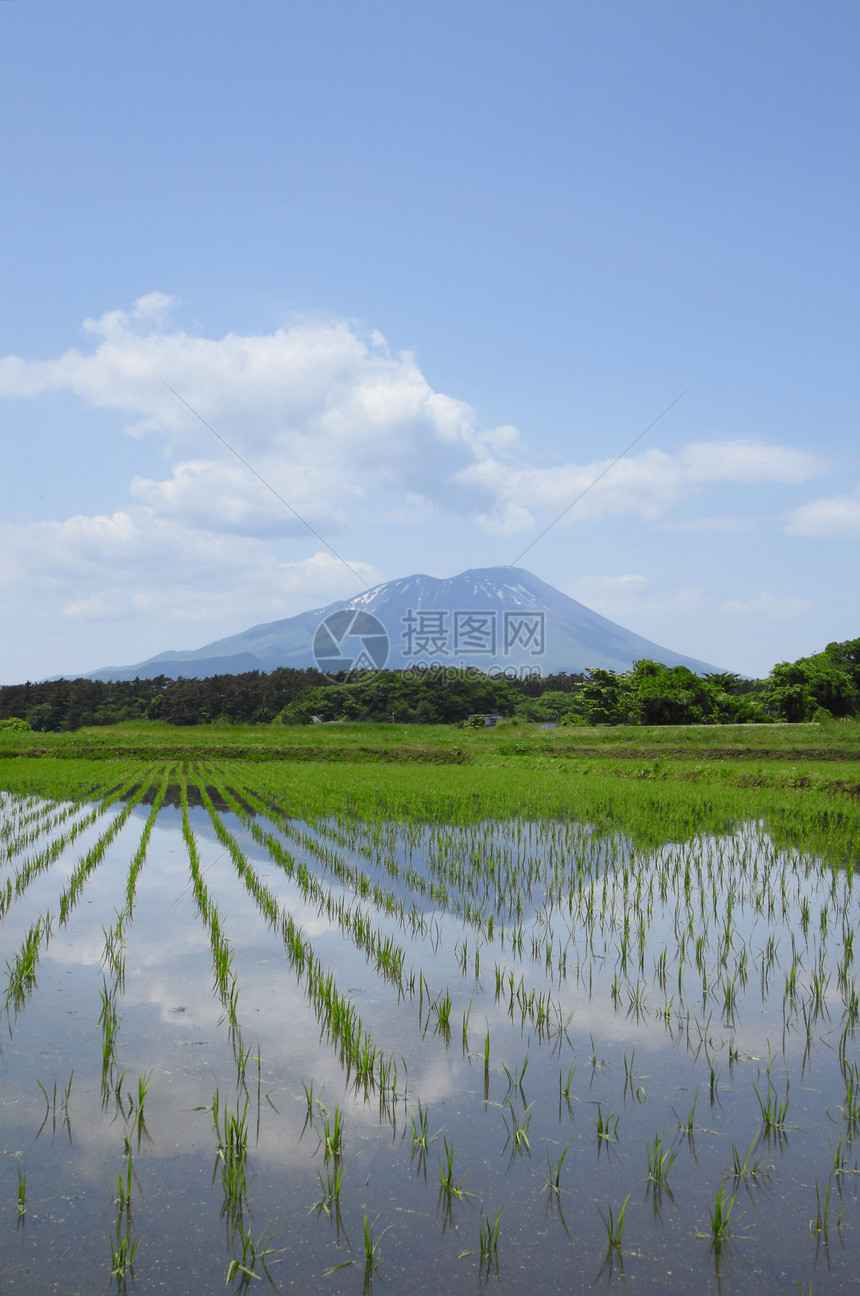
[387,955]
[17,832]
[775,1118]
[30,868]
[231,1130]
[95,855]
[351,877]
[535,1006]
[22,970]
[109,1021]
[315,844]
[140,854]
[123,1244]
[57,1103]
[369,1065]
[728,986]
[417,881]
[113,954]
[113,987]
[226,984]
[17,810]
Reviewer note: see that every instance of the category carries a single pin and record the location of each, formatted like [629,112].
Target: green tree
[605,696]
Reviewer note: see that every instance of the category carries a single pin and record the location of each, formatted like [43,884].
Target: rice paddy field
[452,1013]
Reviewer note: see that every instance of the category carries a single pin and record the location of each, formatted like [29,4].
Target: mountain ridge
[493,618]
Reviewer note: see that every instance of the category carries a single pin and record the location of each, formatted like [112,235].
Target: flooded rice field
[244,1051]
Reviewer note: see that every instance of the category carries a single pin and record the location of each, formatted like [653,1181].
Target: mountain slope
[492,618]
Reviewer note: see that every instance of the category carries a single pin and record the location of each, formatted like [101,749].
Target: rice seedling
[749,1168]
[819,1225]
[686,1124]
[564,1087]
[122,1252]
[442,1008]
[596,1063]
[660,1160]
[331,1186]
[333,1135]
[449,1185]
[371,1245]
[773,1110]
[518,1130]
[253,1253]
[231,1129]
[516,1077]
[840,1160]
[123,1186]
[22,970]
[311,1102]
[553,1179]
[58,1097]
[720,1217]
[421,1136]
[488,1238]
[607,1126]
[614,1224]
[850,1107]
[22,1193]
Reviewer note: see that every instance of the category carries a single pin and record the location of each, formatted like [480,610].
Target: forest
[826,684]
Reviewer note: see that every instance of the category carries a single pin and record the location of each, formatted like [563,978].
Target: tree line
[823,685]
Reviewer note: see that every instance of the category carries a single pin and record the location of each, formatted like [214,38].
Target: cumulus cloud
[134,565]
[328,419]
[332,421]
[334,432]
[750,463]
[837,516]
[646,485]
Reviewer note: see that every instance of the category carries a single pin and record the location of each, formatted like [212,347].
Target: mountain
[494,618]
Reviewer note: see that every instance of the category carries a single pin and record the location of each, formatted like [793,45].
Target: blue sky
[429,268]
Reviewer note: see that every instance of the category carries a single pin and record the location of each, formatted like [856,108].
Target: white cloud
[349,435]
[330,418]
[750,463]
[644,485]
[134,565]
[837,516]
[772,607]
[324,415]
